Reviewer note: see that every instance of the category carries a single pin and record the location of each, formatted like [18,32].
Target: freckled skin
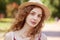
[34,17]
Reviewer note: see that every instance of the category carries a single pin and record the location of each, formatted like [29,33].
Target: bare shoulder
[8,36]
[43,36]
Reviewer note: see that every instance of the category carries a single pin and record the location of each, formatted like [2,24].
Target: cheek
[38,20]
[28,18]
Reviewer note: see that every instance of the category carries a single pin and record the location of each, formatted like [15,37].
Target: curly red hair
[21,17]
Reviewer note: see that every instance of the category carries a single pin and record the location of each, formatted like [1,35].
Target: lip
[33,22]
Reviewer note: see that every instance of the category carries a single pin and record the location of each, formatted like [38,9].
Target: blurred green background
[8,9]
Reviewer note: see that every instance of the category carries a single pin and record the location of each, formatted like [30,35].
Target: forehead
[37,10]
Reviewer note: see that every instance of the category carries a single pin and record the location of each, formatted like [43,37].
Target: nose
[35,18]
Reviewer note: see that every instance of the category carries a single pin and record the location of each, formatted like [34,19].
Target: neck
[26,30]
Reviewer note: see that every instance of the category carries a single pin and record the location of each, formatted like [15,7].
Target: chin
[32,25]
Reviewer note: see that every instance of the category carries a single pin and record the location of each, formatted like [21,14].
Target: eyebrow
[35,12]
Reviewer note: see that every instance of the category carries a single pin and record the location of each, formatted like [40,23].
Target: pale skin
[32,20]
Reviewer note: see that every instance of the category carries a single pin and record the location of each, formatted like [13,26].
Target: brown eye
[32,13]
[39,15]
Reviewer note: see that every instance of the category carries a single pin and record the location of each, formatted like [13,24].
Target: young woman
[28,22]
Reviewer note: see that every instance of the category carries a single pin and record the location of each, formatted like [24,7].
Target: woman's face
[34,17]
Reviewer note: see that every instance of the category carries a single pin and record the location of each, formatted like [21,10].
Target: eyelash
[32,14]
[38,15]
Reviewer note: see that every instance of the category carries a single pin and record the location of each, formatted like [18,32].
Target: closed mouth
[33,22]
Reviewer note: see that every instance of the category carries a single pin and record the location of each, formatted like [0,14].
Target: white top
[10,36]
